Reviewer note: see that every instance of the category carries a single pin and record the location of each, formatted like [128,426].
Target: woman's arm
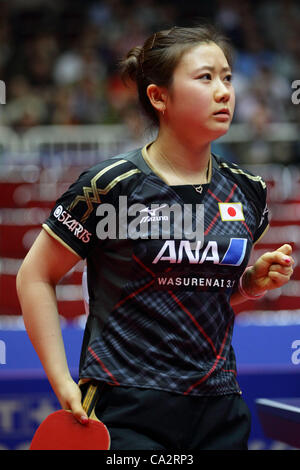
[45,264]
[272,270]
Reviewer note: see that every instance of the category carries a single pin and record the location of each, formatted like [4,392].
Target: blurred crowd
[59,59]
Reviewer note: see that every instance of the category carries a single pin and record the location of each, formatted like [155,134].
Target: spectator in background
[25,108]
[66,56]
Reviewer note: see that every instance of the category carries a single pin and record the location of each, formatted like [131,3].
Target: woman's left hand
[272,270]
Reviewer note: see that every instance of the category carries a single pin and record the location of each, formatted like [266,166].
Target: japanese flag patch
[230,211]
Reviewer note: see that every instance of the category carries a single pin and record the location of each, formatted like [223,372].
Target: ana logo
[231,211]
[209,251]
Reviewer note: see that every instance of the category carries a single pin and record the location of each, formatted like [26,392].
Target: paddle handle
[90,400]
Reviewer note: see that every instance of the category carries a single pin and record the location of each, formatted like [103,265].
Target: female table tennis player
[159,329]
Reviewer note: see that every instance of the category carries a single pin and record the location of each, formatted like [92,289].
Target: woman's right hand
[69,396]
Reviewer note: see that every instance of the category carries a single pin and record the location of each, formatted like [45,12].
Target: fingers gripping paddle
[62,431]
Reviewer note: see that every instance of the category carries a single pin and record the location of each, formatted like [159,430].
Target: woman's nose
[222,93]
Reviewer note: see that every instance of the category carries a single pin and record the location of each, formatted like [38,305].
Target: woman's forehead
[204,55]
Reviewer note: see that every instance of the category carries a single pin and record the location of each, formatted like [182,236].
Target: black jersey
[160,314]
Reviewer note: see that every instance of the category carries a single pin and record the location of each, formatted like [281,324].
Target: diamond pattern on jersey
[174,339]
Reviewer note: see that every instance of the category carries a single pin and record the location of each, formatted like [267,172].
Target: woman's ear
[158,97]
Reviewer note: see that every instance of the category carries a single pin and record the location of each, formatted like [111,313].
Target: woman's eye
[206,76]
[228,77]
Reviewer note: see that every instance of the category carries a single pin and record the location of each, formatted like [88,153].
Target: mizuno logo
[153,211]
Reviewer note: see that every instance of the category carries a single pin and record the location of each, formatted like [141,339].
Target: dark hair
[156,60]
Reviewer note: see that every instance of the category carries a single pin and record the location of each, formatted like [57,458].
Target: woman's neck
[179,163]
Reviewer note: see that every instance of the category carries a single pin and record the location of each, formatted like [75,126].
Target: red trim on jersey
[231,192]
[208,339]
[229,370]
[212,223]
[245,225]
[92,352]
[203,379]
[213,195]
[133,294]
[179,303]
[143,265]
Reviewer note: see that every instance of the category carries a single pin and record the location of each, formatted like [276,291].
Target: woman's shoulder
[240,174]
[112,167]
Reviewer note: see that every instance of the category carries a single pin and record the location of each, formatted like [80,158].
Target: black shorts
[142,419]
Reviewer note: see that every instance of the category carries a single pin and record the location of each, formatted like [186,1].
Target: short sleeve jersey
[160,314]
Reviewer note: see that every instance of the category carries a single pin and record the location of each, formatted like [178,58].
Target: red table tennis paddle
[61,430]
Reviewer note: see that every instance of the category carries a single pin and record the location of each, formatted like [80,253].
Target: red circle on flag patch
[231,211]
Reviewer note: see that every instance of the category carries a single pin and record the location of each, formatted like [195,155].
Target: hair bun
[131,65]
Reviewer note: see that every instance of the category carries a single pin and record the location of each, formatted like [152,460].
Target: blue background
[265,370]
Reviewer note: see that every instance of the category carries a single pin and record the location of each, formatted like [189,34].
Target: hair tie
[154,38]
[171,30]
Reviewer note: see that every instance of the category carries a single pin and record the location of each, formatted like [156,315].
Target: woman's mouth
[223,114]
